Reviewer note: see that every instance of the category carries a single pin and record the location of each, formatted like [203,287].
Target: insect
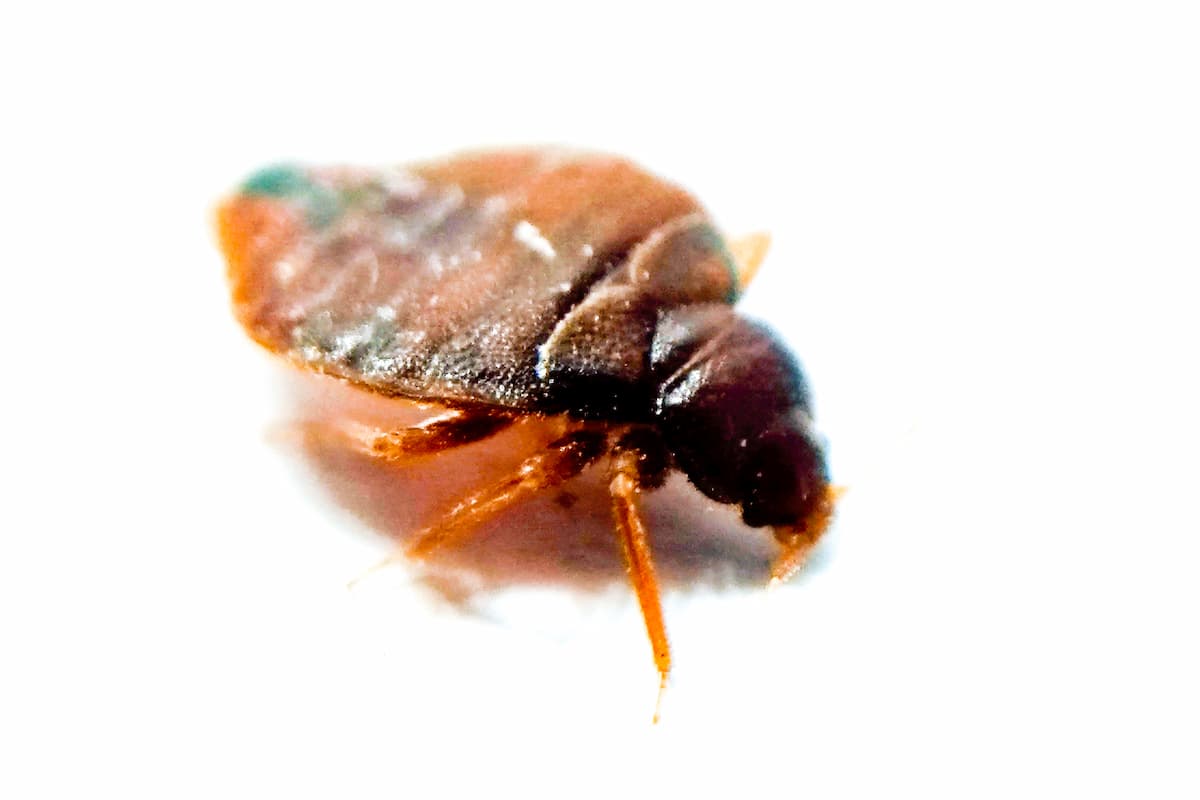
[535,282]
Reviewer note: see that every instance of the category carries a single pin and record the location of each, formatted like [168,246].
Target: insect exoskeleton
[533,282]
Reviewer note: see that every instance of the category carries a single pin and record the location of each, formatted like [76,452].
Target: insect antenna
[797,541]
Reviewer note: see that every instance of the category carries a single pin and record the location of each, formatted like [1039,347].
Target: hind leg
[563,459]
[451,429]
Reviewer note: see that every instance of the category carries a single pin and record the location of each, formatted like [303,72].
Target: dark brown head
[733,408]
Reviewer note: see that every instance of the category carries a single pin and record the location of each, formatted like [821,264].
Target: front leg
[624,485]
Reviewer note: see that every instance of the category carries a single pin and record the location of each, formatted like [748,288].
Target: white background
[985,224]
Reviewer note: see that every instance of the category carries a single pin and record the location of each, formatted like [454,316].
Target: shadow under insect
[561,536]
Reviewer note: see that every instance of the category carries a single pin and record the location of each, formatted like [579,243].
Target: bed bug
[499,285]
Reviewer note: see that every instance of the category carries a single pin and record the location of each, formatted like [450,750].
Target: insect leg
[632,531]
[452,429]
[435,434]
[748,253]
[565,458]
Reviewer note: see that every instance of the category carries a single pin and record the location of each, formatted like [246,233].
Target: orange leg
[748,253]
[436,434]
[451,429]
[565,458]
[634,543]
